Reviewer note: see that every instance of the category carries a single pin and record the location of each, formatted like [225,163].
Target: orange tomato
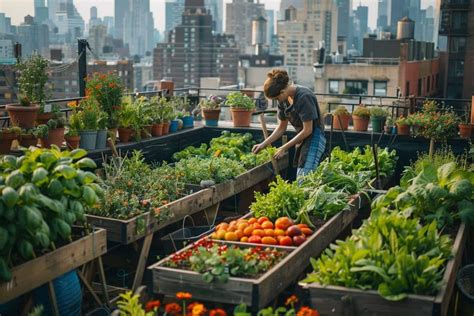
[231,236]
[231,228]
[252,220]
[248,231]
[223,226]
[302,226]
[255,239]
[267,225]
[283,223]
[239,233]
[221,234]
[242,226]
[233,223]
[269,232]
[262,219]
[267,240]
[279,232]
[258,232]
[244,239]
[257,226]
[307,231]
[285,241]
[214,235]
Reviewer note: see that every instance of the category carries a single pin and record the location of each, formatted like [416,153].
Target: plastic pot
[377,124]
[173,126]
[188,122]
[101,142]
[88,140]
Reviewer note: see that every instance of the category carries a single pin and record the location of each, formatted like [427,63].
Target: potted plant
[403,125]
[167,114]
[56,131]
[28,138]
[211,109]
[126,120]
[88,115]
[41,132]
[389,124]
[156,119]
[72,135]
[465,127]
[378,115]
[7,136]
[341,118]
[360,118]
[241,108]
[31,81]
[183,108]
[102,119]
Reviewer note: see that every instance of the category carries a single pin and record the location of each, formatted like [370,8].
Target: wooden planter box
[257,293]
[338,300]
[128,231]
[41,270]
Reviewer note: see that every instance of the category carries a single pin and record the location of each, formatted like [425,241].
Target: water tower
[406,29]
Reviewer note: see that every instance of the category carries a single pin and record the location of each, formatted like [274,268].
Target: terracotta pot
[43,118]
[23,116]
[6,140]
[241,117]
[55,137]
[166,128]
[28,140]
[465,130]
[361,124]
[125,134]
[209,114]
[157,129]
[403,129]
[344,122]
[72,142]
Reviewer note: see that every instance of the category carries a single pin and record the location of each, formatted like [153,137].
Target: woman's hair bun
[277,80]
[279,75]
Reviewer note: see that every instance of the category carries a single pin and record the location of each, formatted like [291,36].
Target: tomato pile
[261,230]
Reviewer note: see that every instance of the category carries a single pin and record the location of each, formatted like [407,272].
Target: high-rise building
[41,11]
[66,24]
[138,27]
[5,24]
[216,8]
[344,10]
[33,37]
[109,21]
[121,7]
[382,15]
[360,29]
[193,52]
[239,16]
[314,26]
[270,25]
[458,60]
[97,38]
[6,49]
[285,4]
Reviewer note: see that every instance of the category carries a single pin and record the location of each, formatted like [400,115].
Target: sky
[17,9]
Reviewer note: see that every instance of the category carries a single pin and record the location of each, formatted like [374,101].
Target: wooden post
[52,297]
[265,135]
[137,281]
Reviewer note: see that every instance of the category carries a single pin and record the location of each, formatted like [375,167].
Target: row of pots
[361,124]
[156,130]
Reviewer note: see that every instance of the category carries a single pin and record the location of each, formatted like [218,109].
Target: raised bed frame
[338,300]
[257,293]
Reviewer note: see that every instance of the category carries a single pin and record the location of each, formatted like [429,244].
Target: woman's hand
[257,148]
[280,153]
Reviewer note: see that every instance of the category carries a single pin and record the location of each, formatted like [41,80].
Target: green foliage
[218,169]
[402,121]
[378,112]
[341,110]
[129,305]
[361,111]
[212,102]
[33,78]
[390,253]
[239,100]
[43,193]
[37,311]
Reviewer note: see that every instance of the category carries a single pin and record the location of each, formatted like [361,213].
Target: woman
[297,105]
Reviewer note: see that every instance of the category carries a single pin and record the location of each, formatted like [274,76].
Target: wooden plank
[142,261]
[53,265]
[338,300]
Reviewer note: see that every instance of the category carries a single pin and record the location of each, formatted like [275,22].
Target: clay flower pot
[23,116]
[157,129]
[403,129]
[361,124]
[341,122]
[55,137]
[241,117]
[6,140]
[72,142]
[125,134]
[166,128]
[211,116]
[465,130]
[43,118]
[27,140]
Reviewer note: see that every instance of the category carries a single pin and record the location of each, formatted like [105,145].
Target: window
[380,88]
[407,88]
[333,86]
[356,87]
[428,84]
[419,86]
[458,44]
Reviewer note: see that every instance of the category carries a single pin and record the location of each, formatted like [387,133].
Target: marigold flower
[217,312]
[172,309]
[198,309]
[291,300]
[72,104]
[152,305]
[306,311]
[183,295]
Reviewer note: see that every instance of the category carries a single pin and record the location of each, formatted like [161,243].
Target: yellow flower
[198,310]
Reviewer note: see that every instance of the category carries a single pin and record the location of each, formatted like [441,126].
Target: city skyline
[18,9]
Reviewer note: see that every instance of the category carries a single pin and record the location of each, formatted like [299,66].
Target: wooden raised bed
[338,300]
[128,231]
[257,293]
[41,270]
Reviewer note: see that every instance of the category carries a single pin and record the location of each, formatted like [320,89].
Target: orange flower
[98,87]
[291,300]
[183,295]
[217,312]
[172,309]
[112,85]
[72,104]
[152,305]
[198,310]
[306,311]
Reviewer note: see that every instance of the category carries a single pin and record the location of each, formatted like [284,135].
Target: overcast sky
[17,9]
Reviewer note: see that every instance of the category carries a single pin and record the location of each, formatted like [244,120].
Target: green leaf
[67,172]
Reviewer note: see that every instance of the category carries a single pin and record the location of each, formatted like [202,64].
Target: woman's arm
[277,133]
[302,135]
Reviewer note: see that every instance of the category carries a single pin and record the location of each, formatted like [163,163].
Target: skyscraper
[344,10]
[138,27]
[285,4]
[5,24]
[361,17]
[66,22]
[192,51]
[270,25]
[41,11]
[121,6]
[239,16]
[33,37]
[382,15]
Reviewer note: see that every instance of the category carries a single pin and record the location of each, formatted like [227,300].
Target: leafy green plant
[341,110]
[127,114]
[237,99]
[402,121]
[390,253]
[129,304]
[379,112]
[43,194]
[41,131]
[212,102]
[216,169]
[32,79]
[361,111]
